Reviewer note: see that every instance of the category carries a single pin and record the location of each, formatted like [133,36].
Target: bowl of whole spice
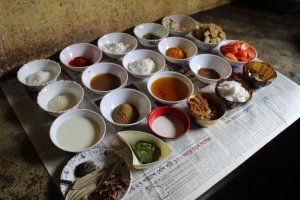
[125,107]
[102,78]
[210,68]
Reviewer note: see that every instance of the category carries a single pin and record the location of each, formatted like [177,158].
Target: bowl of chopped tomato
[237,52]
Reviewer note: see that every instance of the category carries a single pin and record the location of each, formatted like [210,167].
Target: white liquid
[77,134]
[167,126]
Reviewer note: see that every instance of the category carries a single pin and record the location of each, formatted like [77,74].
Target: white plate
[101,158]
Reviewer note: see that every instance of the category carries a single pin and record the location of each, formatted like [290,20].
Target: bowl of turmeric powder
[177,50]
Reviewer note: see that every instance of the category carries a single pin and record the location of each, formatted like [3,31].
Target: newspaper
[199,160]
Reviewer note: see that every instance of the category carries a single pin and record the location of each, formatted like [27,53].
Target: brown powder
[209,73]
[104,82]
[125,114]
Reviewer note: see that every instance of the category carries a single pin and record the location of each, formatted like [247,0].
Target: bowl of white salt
[116,45]
[38,73]
[60,96]
[143,63]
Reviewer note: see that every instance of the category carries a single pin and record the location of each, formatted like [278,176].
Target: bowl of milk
[77,130]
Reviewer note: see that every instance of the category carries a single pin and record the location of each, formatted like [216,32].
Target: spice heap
[151,36]
[105,82]
[80,62]
[208,73]
[171,24]
[62,102]
[142,66]
[200,107]
[38,78]
[175,52]
[125,114]
[117,48]
[85,168]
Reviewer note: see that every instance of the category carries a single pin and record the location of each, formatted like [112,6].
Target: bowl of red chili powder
[79,56]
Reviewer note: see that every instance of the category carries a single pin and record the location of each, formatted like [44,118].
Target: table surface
[275,37]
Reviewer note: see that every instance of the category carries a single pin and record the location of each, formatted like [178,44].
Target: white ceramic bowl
[142,54]
[103,68]
[125,38]
[86,50]
[184,44]
[150,28]
[177,75]
[220,65]
[95,120]
[35,66]
[232,62]
[125,95]
[187,22]
[59,88]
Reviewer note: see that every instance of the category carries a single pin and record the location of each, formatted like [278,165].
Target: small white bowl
[59,88]
[220,65]
[125,95]
[187,22]
[116,38]
[232,62]
[35,66]
[86,50]
[92,116]
[142,54]
[177,75]
[184,44]
[103,68]
[150,28]
[131,137]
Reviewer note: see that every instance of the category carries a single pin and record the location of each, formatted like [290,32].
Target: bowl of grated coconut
[233,91]
[116,45]
[60,96]
[143,63]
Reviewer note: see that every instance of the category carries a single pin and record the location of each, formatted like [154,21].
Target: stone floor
[269,173]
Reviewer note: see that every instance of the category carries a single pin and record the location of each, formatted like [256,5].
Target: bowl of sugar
[77,130]
[60,96]
[37,74]
[168,122]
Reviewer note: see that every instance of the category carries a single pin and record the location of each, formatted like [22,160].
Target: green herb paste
[146,152]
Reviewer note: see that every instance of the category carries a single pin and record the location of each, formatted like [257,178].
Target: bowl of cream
[77,130]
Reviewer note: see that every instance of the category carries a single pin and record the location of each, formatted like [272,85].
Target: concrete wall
[32,29]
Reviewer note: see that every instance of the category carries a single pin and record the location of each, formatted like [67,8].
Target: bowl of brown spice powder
[125,107]
[210,68]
